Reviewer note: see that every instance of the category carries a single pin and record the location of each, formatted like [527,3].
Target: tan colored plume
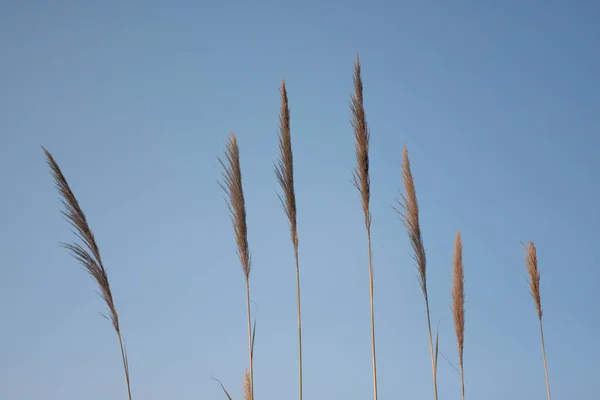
[362,182]
[458,304]
[87,252]
[247,386]
[531,263]
[409,214]
[232,185]
[284,172]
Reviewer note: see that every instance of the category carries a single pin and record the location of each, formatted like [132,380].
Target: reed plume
[284,171]
[232,185]
[534,285]
[362,182]
[458,304]
[247,387]
[87,252]
[409,214]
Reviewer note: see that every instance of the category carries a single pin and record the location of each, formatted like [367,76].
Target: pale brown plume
[247,386]
[362,137]
[531,263]
[362,182]
[284,168]
[232,185]
[87,252]
[458,303]
[284,171]
[409,214]
[534,276]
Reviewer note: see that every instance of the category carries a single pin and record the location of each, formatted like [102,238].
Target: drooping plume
[87,252]
[409,214]
[232,185]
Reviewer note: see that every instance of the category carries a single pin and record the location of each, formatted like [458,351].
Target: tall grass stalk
[284,171]
[534,285]
[458,304]
[363,184]
[87,252]
[232,185]
[409,214]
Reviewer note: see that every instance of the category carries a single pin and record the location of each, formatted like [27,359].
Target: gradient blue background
[497,101]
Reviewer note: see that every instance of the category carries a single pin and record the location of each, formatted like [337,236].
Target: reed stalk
[284,172]
[232,185]
[362,183]
[534,285]
[409,214]
[87,253]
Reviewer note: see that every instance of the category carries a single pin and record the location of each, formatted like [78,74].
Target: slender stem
[299,320]
[544,354]
[250,350]
[125,364]
[433,367]
[462,379]
[372,312]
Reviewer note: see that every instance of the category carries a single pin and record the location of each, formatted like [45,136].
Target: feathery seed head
[458,296]
[232,185]
[361,143]
[534,276]
[87,253]
[247,386]
[284,167]
[409,214]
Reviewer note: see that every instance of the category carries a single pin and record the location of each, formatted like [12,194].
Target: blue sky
[498,105]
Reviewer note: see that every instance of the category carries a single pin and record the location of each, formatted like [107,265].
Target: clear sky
[497,102]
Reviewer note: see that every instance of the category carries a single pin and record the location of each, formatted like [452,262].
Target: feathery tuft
[284,168]
[534,276]
[232,185]
[247,386]
[87,253]
[361,143]
[534,285]
[284,171]
[361,181]
[458,303]
[409,214]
